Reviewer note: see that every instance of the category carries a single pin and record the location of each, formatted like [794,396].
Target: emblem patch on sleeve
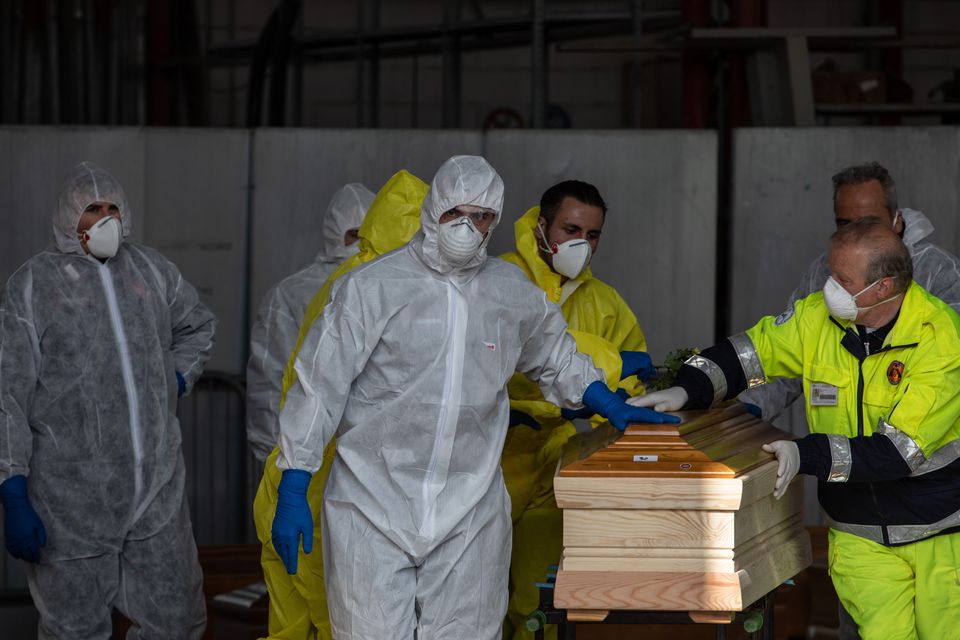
[783,317]
[895,372]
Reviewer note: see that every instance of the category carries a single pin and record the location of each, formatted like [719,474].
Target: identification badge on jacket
[823,395]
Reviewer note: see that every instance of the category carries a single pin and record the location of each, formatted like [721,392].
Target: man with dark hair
[554,245]
[879,358]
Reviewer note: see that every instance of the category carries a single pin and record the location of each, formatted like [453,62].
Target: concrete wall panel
[297,170]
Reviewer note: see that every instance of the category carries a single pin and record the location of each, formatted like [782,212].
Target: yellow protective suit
[603,326]
[298,603]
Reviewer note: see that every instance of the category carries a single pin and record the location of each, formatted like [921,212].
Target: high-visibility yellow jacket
[885,426]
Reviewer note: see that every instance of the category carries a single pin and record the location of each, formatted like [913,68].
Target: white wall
[297,170]
[187,191]
[783,207]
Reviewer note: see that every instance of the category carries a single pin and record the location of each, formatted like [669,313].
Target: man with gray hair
[879,359]
[859,191]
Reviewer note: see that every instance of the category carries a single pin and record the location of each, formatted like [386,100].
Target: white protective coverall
[408,367]
[934,269]
[274,333]
[88,398]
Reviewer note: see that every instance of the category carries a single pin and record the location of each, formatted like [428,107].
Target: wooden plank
[773,567]
[650,528]
[587,615]
[695,553]
[626,454]
[641,564]
[695,559]
[664,591]
[712,617]
[673,528]
[692,421]
[649,493]
[652,430]
[718,432]
[650,441]
[681,590]
[621,468]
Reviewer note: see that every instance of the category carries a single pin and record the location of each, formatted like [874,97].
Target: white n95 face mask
[103,238]
[842,304]
[568,258]
[458,241]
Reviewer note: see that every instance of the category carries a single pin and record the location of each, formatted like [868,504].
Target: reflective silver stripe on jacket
[897,534]
[841,458]
[900,534]
[749,360]
[909,449]
[714,372]
[869,531]
[940,458]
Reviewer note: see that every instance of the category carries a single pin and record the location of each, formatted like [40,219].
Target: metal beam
[538,65]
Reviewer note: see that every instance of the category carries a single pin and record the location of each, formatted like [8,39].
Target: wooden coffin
[677,517]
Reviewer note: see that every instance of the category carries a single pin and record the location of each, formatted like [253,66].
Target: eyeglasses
[480,217]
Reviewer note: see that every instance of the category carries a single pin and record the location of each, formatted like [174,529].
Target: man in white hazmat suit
[274,333]
[408,367]
[98,337]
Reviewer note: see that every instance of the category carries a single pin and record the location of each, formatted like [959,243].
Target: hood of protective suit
[390,222]
[529,258]
[85,184]
[459,180]
[347,208]
[394,215]
[916,226]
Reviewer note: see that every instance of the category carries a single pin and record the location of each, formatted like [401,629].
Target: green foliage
[667,372]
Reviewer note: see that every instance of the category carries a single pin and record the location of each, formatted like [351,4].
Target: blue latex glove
[292,519]
[181,384]
[586,413]
[22,528]
[619,413]
[636,363]
[753,410]
[519,417]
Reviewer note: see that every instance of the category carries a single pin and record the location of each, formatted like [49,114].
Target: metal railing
[222,474]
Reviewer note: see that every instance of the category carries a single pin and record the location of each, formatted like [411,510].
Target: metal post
[232,75]
[373,87]
[53,65]
[414,90]
[696,71]
[636,78]
[801,84]
[298,73]
[93,87]
[450,89]
[360,93]
[538,66]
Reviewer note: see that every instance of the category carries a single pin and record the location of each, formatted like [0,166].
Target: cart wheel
[753,622]
[536,621]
